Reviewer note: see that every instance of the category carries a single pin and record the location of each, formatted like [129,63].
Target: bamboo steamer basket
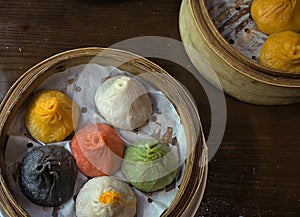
[238,75]
[192,187]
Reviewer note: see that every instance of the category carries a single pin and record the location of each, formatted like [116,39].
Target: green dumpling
[150,165]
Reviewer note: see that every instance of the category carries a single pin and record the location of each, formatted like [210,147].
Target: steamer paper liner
[233,20]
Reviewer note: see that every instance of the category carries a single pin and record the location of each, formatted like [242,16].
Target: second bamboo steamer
[239,76]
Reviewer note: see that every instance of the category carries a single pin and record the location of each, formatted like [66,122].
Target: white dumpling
[105,196]
[124,102]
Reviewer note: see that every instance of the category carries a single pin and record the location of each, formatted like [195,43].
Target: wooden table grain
[256,171]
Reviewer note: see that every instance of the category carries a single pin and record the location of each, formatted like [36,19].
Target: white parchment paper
[80,84]
[233,20]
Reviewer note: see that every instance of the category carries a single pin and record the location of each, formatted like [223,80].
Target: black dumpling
[47,175]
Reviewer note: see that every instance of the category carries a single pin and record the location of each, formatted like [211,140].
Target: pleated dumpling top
[51,116]
[124,102]
[281,51]
[106,196]
[273,16]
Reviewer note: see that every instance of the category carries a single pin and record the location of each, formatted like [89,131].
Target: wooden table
[256,169]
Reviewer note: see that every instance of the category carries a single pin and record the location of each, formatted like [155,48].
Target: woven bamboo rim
[194,178]
[239,76]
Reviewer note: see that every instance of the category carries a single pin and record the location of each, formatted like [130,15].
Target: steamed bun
[105,196]
[273,16]
[47,175]
[97,149]
[124,102]
[150,165]
[281,51]
[51,116]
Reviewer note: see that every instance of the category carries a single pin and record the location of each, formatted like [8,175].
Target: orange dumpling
[97,149]
[51,116]
[273,16]
[281,51]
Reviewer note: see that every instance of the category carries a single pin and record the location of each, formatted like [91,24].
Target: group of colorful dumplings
[48,173]
[280,20]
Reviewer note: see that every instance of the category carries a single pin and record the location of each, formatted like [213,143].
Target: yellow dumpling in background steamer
[273,16]
[281,51]
[51,116]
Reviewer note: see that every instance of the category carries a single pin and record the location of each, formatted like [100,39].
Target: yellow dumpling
[282,51]
[273,16]
[51,116]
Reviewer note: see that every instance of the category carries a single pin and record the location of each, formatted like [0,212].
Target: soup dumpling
[105,196]
[124,102]
[47,175]
[51,116]
[281,51]
[273,16]
[97,149]
[150,165]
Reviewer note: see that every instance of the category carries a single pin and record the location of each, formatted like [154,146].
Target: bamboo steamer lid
[239,76]
[192,187]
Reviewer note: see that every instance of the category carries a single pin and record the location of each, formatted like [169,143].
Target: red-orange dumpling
[97,149]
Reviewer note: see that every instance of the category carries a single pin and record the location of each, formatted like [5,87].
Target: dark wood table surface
[256,171]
